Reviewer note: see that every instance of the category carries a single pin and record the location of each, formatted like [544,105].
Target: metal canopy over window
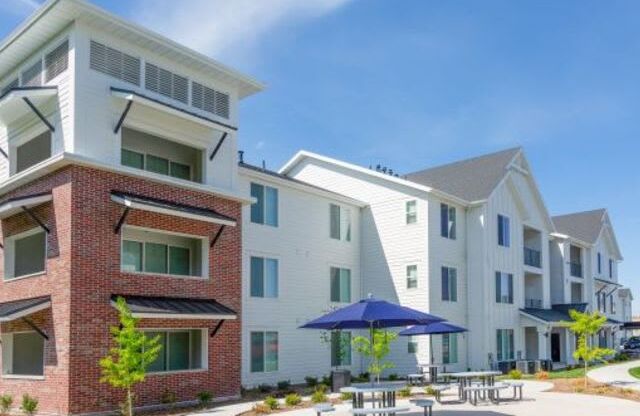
[24,204]
[20,309]
[19,101]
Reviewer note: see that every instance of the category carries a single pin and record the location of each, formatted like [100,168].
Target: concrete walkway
[537,401]
[617,375]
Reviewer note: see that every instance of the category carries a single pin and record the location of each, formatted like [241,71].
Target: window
[181,350]
[264,352]
[339,222]
[610,269]
[448,221]
[114,63]
[449,348]
[146,251]
[412,276]
[599,263]
[612,304]
[411,212]
[264,277]
[32,76]
[265,209]
[25,254]
[449,284]
[340,285]
[22,354]
[505,344]
[504,232]
[154,154]
[33,151]
[412,345]
[340,348]
[504,287]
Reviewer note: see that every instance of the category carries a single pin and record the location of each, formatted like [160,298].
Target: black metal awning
[10,311]
[175,308]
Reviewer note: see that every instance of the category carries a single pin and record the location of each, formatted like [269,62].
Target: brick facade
[83,271]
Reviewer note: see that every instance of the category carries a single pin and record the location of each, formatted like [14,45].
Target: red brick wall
[83,271]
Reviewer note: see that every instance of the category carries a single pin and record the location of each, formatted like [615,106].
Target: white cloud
[220,27]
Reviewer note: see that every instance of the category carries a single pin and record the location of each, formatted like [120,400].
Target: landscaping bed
[576,385]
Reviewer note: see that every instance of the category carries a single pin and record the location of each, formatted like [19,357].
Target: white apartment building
[470,241]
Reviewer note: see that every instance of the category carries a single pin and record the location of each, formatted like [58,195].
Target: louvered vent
[56,61]
[32,76]
[13,84]
[167,83]
[114,63]
[209,100]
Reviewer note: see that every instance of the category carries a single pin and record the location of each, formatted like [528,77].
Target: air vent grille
[162,81]
[209,100]
[57,61]
[112,62]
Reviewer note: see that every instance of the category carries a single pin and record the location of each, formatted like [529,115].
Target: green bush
[284,385]
[319,396]
[6,400]
[346,396]
[271,402]
[265,388]
[29,405]
[204,398]
[515,374]
[405,392]
[326,380]
[393,377]
[322,387]
[619,357]
[292,399]
[429,391]
[311,381]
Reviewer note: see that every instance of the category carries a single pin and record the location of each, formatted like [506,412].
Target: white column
[543,342]
[568,346]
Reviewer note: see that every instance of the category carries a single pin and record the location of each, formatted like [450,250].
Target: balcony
[532,257]
[533,303]
[576,269]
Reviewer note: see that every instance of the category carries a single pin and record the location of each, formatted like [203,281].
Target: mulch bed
[593,388]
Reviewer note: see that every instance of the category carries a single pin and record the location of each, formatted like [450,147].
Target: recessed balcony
[532,257]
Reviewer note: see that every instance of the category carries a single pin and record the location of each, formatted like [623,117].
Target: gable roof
[470,179]
[584,225]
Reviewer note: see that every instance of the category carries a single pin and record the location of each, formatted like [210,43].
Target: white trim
[167,211]
[26,312]
[28,92]
[13,207]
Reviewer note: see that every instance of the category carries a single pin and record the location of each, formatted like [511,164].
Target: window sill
[175,372]
[173,276]
[19,377]
[27,276]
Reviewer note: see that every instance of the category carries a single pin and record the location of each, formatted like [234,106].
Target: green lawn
[573,373]
[635,372]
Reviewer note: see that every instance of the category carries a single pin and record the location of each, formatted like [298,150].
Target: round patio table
[387,393]
[466,377]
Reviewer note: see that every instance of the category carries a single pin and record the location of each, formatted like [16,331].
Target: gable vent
[209,100]
[56,61]
[162,81]
[114,63]
[13,84]
[32,76]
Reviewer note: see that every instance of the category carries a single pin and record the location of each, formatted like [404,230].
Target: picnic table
[383,398]
[465,379]
[432,370]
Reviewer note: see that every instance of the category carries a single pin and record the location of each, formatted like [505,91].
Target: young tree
[584,326]
[381,348]
[127,362]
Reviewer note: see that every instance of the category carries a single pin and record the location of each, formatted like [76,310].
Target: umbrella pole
[431,349]
[371,338]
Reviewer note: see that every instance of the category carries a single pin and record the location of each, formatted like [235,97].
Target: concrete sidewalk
[617,375]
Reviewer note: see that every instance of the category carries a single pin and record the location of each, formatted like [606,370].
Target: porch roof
[175,308]
[13,310]
[557,313]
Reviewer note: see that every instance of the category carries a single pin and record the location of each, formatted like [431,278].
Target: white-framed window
[412,276]
[340,285]
[340,348]
[599,263]
[25,254]
[339,222]
[448,221]
[264,351]
[504,231]
[265,209]
[411,211]
[449,283]
[264,277]
[504,287]
[412,345]
[610,268]
[449,348]
[505,344]
[156,252]
[22,354]
[182,350]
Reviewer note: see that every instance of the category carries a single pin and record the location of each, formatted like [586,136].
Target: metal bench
[426,405]
[321,408]
[492,393]
[438,389]
[378,411]
[517,389]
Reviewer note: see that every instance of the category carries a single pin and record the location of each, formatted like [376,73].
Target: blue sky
[412,84]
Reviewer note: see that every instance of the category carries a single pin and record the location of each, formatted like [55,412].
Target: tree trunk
[586,366]
[129,402]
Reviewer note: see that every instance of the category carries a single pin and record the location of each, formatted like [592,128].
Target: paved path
[617,375]
[537,401]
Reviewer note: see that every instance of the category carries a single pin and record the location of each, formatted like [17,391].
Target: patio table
[433,371]
[387,393]
[466,377]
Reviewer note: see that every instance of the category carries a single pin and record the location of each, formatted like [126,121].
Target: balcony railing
[533,303]
[576,269]
[532,257]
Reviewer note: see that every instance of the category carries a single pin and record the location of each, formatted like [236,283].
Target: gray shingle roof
[470,179]
[584,226]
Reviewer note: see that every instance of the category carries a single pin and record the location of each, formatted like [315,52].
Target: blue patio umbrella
[436,328]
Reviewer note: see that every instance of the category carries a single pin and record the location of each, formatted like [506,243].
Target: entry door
[555,348]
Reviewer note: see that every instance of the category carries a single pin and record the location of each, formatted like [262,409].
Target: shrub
[322,387]
[326,380]
[29,405]
[346,396]
[515,374]
[265,388]
[393,377]
[271,402]
[429,391]
[542,375]
[6,400]
[621,357]
[284,385]
[319,396]
[405,391]
[292,399]
[260,409]
[311,381]
[169,397]
[204,398]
